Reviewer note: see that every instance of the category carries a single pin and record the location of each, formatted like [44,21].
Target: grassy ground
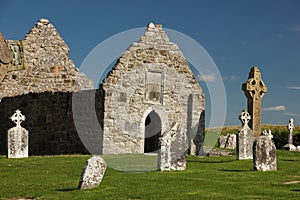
[57,177]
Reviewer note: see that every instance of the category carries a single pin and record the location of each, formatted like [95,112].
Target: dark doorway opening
[152,132]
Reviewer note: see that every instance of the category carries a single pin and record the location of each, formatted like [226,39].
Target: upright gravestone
[244,148]
[264,153]
[93,173]
[254,89]
[165,160]
[289,146]
[17,137]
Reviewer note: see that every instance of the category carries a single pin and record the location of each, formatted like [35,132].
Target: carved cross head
[267,133]
[245,118]
[254,88]
[291,125]
[18,118]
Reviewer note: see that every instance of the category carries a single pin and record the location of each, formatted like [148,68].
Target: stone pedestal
[93,173]
[264,153]
[17,142]
[289,147]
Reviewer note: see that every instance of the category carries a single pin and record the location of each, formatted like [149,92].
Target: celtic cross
[291,128]
[245,118]
[254,89]
[18,118]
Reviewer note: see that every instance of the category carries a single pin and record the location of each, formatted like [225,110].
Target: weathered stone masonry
[40,81]
[152,76]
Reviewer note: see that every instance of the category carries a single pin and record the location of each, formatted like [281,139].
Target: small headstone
[222,141]
[93,173]
[264,153]
[17,138]
[244,148]
[231,141]
[289,146]
[298,148]
[165,160]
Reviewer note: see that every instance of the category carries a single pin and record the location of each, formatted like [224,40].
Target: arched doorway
[152,132]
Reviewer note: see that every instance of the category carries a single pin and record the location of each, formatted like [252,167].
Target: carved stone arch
[160,111]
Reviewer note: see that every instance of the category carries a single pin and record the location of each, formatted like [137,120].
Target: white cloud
[295,87]
[230,78]
[207,77]
[291,114]
[295,28]
[275,108]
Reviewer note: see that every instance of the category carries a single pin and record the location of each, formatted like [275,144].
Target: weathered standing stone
[93,173]
[244,148]
[254,90]
[17,138]
[167,161]
[222,141]
[227,141]
[264,153]
[231,141]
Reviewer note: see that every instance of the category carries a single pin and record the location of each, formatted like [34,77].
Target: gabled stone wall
[152,75]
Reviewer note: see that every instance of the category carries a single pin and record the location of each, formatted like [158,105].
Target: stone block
[244,148]
[264,154]
[93,173]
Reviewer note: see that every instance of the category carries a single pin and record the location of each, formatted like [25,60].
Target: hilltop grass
[57,177]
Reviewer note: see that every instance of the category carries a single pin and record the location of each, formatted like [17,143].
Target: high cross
[254,89]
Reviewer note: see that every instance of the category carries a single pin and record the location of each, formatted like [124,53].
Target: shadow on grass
[211,161]
[67,190]
[291,160]
[297,190]
[236,170]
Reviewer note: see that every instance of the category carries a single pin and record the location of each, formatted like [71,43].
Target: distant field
[57,177]
[279,133]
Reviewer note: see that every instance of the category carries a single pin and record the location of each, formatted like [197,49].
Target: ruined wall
[49,120]
[151,75]
[42,64]
[39,81]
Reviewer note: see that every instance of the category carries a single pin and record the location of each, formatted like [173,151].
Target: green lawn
[57,177]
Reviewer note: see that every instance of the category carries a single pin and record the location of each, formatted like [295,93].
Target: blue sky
[236,34]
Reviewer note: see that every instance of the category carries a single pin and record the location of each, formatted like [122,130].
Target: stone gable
[152,75]
[41,64]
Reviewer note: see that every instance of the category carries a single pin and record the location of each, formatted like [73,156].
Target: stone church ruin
[149,88]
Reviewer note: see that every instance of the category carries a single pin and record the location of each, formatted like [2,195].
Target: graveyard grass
[57,177]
